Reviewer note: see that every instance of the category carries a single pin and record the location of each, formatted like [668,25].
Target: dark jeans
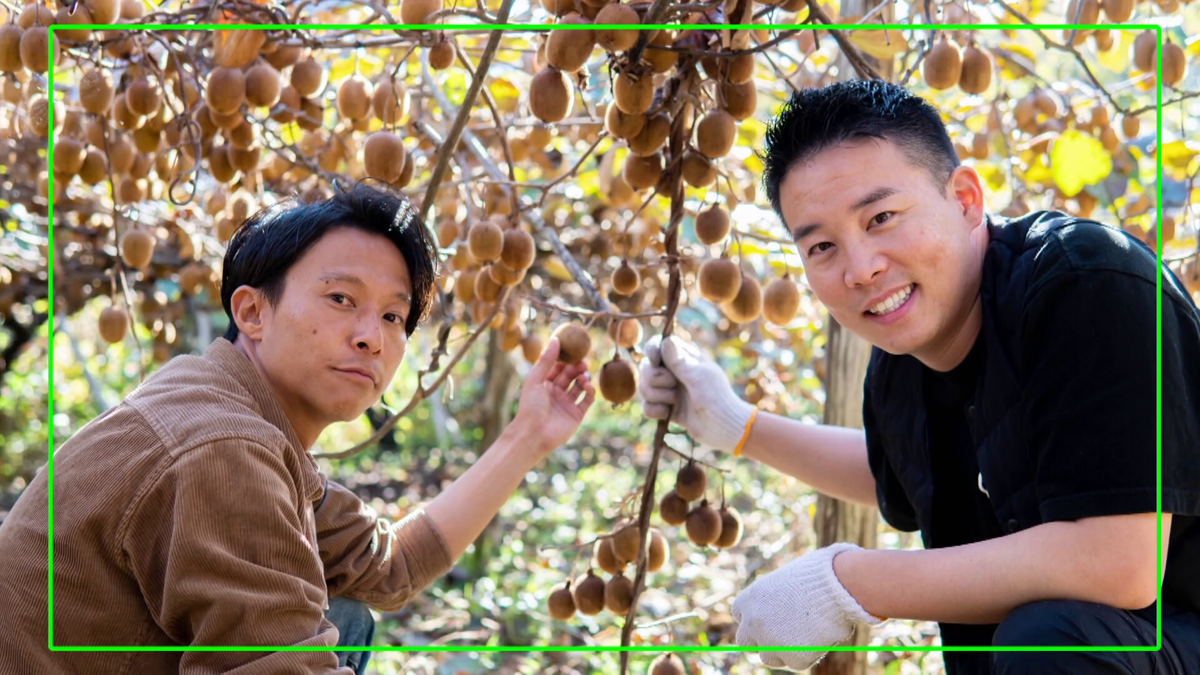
[1058,623]
[356,628]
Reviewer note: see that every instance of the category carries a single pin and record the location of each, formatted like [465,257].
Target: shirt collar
[230,359]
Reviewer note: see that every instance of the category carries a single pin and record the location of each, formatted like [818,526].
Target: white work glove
[801,603]
[675,374]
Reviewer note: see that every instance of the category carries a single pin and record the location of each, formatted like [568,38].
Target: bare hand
[554,399]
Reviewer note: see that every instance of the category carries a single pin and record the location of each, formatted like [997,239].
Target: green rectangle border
[610,648]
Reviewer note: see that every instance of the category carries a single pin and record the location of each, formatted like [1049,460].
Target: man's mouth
[893,302]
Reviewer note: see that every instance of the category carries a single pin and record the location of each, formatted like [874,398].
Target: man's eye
[394,318]
[820,248]
[339,298]
[883,217]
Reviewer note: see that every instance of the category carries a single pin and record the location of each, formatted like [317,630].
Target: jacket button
[971,413]
[1013,525]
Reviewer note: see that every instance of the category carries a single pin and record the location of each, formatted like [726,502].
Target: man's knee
[1065,623]
[356,628]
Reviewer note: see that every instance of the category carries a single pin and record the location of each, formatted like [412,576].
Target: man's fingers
[555,370]
[656,411]
[549,358]
[661,378]
[773,659]
[567,374]
[577,385]
[589,398]
[657,395]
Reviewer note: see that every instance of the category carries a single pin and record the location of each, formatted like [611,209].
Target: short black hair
[820,118]
[269,242]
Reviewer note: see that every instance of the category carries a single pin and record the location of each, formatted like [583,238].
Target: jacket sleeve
[370,559]
[217,544]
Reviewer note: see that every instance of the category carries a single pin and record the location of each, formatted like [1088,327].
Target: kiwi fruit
[10,49]
[618,381]
[308,77]
[1174,64]
[504,275]
[137,248]
[447,233]
[34,47]
[625,544]
[574,343]
[94,169]
[417,11]
[716,134]
[667,664]
[464,285]
[633,95]
[1103,40]
[517,251]
[1145,52]
[441,54]
[113,324]
[740,100]
[80,16]
[485,241]
[244,160]
[486,288]
[383,156]
[622,125]
[942,68]
[1081,12]
[193,276]
[731,528]
[746,306]
[262,86]
[698,170]
[568,50]
[661,60]
[311,114]
[606,559]
[781,300]
[618,594]
[550,97]
[561,603]
[703,524]
[652,136]
[121,153]
[131,190]
[1118,11]
[354,98]
[143,97]
[1130,126]
[657,554]
[642,172]
[712,225]
[390,101]
[625,332]
[976,74]
[720,280]
[616,14]
[68,156]
[691,481]
[625,279]
[225,90]
[589,594]
[531,347]
[218,165]
[105,11]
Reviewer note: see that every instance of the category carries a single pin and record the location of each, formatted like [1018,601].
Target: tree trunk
[495,412]
[846,366]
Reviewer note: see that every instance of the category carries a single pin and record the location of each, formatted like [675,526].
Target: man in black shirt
[1009,409]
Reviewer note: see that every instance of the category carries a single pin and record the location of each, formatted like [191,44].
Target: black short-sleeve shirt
[1088,376]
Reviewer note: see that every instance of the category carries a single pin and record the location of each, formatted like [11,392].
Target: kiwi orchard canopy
[596,184]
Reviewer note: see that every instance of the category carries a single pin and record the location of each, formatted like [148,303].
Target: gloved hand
[801,603]
[675,373]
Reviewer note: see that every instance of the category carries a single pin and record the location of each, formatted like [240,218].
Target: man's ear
[966,188]
[249,308]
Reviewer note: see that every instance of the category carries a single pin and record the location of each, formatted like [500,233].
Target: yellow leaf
[1078,159]
[1177,154]
[506,94]
[753,164]
[1117,58]
[880,43]
[1021,49]
[557,269]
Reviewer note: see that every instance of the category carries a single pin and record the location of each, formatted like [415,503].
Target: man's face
[890,254]
[334,339]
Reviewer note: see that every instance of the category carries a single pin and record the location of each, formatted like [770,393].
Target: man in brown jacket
[192,513]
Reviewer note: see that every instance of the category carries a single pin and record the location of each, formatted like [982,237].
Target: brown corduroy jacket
[190,515]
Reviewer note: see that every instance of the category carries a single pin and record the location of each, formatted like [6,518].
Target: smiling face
[331,343]
[895,259]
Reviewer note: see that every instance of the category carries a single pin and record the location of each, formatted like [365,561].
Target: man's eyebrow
[878,194]
[334,277]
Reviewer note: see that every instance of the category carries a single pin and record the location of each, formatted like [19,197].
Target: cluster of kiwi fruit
[612,554]
[704,525]
[740,296]
[969,68]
